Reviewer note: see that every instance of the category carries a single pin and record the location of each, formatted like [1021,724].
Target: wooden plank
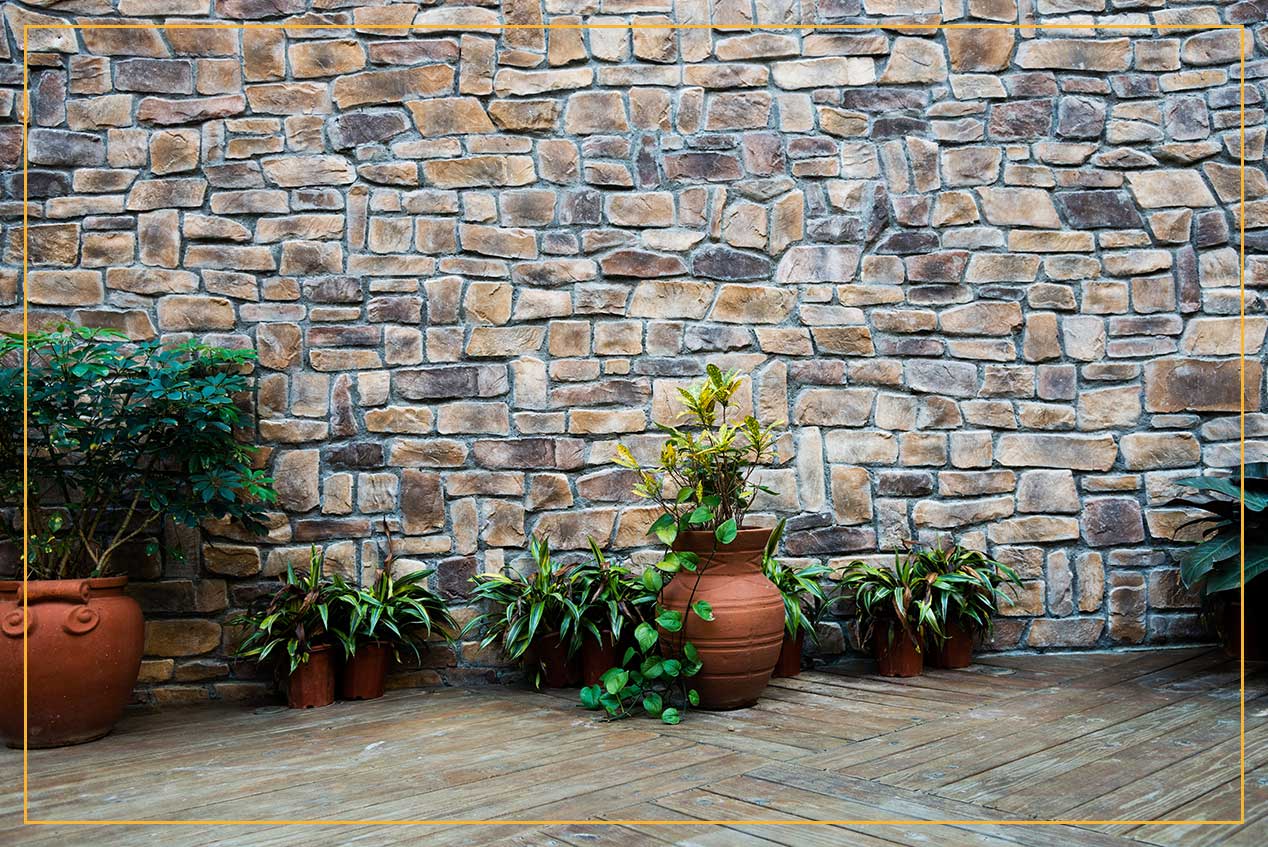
[1171,792]
[1124,763]
[819,793]
[1072,748]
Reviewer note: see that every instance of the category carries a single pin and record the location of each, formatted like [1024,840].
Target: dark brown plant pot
[598,657]
[559,670]
[312,685]
[740,646]
[364,675]
[897,656]
[1229,623]
[789,664]
[956,651]
[84,643]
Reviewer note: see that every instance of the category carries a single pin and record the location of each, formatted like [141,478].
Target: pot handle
[81,618]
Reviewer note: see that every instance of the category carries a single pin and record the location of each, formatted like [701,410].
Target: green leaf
[693,697]
[689,650]
[669,620]
[726,531]
[652,704]
[700,515]
[652,580]
[671,716]
[590,697]
[615,679]
[645,634]
[664,528]
[703,610]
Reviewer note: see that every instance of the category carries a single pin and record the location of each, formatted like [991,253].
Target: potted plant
[703,482]
[379,620]
[1216,564]
[120,436]
[613,602]
[966,594]
[293,629]
[894,611]
[798,587]
[536,618]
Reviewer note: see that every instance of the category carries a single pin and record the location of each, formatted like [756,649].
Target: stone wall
[989,276]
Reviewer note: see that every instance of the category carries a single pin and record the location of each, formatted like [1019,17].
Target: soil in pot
[364,674]
[84,644]
[312,685]
[559,670]
[956,651]
[739,647]
[789,664]
[897,656]
[597,657]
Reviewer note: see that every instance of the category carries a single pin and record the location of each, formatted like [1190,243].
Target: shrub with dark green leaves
[523,608]
[966,586]
[805,600]
[300,615]
[122,434]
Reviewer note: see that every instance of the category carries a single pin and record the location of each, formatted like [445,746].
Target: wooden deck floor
[1140,735]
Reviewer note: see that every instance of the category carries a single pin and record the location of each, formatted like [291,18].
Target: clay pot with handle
[740,646]
[84,640]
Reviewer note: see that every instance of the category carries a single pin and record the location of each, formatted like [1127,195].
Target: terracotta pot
[1229,622]
[312,685]
[84,643]
[739,647]
[364,675]
[956,651]
[789,664]
[559,670]
[597,657]
[899,656]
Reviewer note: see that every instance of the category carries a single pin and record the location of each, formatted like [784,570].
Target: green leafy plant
[297,617]
[805,600]
[1216,563]
[526,607]
[401,611]
[121,434]
[610,596]
[703,479]
[966,586]
[653,678]
[897,601]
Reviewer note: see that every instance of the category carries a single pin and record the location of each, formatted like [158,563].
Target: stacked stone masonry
[989,276]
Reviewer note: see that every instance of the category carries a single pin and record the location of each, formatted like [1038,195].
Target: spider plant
[287,626]
[966,586]
[401,611]
[610,596]
[798,586]
[893,601]
[528,607]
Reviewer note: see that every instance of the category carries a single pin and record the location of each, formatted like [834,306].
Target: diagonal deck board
[1140,734]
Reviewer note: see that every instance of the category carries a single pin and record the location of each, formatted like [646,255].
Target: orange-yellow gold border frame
[1241,819]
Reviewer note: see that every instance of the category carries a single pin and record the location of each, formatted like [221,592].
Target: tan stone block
[449,116]
[64,287]
[325,58]
[181,637]
[392,86]
[824,72]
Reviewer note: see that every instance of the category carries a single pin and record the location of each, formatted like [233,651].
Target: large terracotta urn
[84,643]
[740,646]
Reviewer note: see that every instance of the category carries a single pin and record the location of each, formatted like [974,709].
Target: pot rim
[746,540]
[99,583]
